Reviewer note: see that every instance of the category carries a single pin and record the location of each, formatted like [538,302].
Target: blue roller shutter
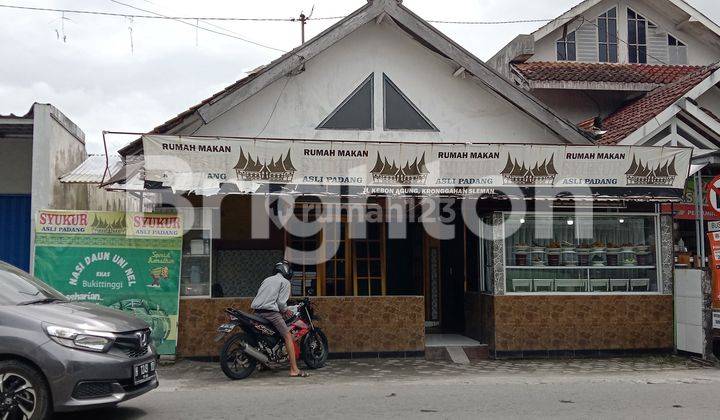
[15,230]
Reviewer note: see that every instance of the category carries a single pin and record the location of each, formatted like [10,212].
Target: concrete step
[457,354]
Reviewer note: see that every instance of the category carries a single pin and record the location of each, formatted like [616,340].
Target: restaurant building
[642,73]
[450,201]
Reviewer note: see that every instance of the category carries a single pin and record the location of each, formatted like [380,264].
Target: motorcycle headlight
[82,340]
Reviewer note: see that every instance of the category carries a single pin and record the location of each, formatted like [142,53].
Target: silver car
[56,355]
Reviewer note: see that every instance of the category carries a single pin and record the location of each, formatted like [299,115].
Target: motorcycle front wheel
[235,363]
[315,349]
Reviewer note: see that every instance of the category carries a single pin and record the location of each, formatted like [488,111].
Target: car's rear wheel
[24,394]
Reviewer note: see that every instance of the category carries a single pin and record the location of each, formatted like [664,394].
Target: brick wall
[352,324]
[556,323]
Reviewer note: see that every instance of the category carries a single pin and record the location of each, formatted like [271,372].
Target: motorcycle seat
[256,318]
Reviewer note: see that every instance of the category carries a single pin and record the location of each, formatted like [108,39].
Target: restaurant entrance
[421,265]
[452,278]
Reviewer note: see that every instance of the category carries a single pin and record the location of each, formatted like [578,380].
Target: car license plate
[143,372]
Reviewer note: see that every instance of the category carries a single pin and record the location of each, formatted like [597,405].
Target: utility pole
[303,19]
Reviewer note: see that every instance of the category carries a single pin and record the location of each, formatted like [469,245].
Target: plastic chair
[618,285]
[599,285]
[543,285]
[521,284]
[639,285]
[570,285]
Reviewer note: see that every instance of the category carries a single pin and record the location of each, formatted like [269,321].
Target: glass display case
[586,253]
[196,263]
[197,252]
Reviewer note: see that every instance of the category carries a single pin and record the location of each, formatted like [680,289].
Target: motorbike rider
[271,304]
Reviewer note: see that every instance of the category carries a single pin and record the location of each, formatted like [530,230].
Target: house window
[400,113]
[607,37]
[566,48]
[677,51]
[369,263]
[355,112]
[305,271]
[347,266]
[637,38]
[337,266]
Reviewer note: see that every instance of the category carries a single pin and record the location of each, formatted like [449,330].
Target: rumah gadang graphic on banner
[126,261]
[206,166]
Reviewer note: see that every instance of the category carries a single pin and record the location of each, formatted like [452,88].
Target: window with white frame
[637,37]
[677,51]
[607,37]
[566,48]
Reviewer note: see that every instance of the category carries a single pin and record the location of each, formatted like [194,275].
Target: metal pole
[107,159]
[701,206]
[698,210]
[303,19]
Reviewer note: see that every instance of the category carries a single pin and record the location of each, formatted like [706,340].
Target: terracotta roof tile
[634,115]
[567,71]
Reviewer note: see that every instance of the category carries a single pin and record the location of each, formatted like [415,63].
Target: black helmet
[284,268]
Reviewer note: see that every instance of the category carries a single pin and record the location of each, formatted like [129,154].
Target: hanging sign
[714,226]
[713,195]
[201,164]
[130,262]
[80,222]
[714,239]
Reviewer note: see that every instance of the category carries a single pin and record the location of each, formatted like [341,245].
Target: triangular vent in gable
[355,112]
[400,112]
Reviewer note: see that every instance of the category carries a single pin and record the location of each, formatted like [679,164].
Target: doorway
[453,274]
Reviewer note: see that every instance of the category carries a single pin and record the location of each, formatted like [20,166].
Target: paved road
[415,389]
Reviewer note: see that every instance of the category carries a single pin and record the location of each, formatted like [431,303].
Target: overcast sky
[117,74]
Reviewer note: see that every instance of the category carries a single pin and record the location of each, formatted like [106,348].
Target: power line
[490,22]
[231,34]
[152,16]
[242,19]
[196,26]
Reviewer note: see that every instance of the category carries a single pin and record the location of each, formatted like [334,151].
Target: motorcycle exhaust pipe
[254,353]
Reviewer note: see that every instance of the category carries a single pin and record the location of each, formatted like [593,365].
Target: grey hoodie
[273,294]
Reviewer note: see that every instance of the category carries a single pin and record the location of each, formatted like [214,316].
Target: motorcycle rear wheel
[235,363]
[315,349]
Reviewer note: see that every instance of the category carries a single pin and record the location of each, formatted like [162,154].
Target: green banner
[139,275]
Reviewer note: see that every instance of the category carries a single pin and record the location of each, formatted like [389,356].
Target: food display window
[581,253]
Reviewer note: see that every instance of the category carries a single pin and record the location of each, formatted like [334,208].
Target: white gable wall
[710,100]
[461,108]
[699,53]
[577,105]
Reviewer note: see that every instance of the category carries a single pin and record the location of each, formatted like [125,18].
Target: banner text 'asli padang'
[203,164]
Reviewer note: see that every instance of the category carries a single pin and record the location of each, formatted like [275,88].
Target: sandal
[300,375]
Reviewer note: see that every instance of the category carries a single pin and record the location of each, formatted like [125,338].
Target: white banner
[205,165]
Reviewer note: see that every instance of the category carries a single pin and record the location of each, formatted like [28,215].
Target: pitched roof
[416,27]
[693,15]
[92,170]
[634,115]
[12,116]
[567,71]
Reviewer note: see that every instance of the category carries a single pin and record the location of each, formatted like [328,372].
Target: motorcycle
[259,342]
